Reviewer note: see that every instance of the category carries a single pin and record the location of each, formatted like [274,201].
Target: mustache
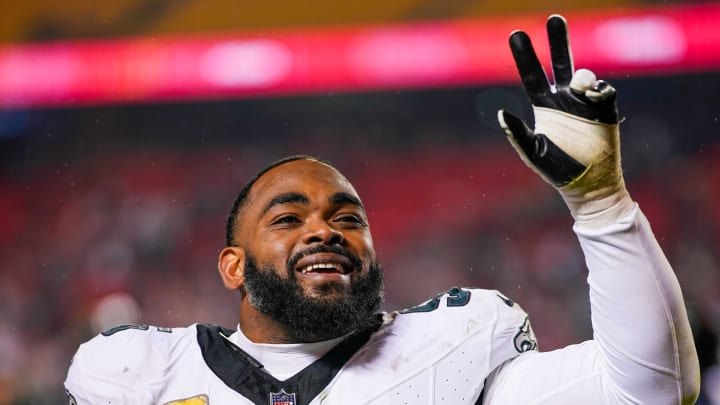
[355,260]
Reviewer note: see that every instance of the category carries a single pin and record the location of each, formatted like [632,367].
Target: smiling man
[299,250]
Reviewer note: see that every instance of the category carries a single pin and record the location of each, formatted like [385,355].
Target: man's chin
[312,307]
[326,291]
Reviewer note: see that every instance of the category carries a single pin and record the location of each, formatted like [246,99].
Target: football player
[300,252]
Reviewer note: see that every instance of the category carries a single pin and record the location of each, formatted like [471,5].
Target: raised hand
[579,95]
[575,143]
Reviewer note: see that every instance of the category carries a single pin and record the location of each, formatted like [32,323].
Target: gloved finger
[531,71]
[562,61]
[554,163]
[519,133]
[582,81]
[600,91]
[539,152]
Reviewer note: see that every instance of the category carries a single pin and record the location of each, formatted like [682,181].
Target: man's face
[308,247]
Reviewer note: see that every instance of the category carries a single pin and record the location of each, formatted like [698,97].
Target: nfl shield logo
[282,398]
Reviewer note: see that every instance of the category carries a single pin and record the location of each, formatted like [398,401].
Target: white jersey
[437,352]
[463,347]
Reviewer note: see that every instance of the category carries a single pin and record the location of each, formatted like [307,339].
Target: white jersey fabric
[466,346]
[283,361]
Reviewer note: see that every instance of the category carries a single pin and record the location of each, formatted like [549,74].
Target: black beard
[312,319]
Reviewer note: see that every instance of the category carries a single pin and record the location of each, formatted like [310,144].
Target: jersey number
[119,328]
[457,297]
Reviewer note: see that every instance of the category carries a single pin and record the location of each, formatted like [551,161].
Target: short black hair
[241,198]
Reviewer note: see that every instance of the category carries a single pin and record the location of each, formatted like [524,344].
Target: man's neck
[260,328]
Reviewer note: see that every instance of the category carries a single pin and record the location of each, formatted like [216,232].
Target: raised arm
[642,350]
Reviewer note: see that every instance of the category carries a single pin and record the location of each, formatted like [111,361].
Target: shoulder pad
[127,357]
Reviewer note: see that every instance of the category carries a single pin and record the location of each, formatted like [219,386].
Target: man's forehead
[301,176]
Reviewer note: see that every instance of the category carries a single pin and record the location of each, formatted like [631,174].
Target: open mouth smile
[323,268]
[325,264]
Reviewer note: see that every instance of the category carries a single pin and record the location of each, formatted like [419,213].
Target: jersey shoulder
[458,305]
[440,351]
[125,356]
[460,312]
[130,347]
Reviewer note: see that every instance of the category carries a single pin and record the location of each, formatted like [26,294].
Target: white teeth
[311,267]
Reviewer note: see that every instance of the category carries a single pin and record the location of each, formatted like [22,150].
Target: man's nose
[320,231]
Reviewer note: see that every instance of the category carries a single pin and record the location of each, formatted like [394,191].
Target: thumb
[519,134]
[540,153]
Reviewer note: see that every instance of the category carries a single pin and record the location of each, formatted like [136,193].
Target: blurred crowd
[126,234]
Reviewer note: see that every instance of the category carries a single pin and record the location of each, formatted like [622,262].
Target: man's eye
[286,219]
[351,218]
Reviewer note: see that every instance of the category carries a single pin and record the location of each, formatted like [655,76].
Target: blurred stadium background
[127,127]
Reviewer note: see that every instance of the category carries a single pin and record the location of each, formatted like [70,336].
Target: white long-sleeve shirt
[459,347]
[642,350]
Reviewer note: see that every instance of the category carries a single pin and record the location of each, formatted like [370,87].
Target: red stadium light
[643,41]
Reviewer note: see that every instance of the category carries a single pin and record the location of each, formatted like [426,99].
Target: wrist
[600,207]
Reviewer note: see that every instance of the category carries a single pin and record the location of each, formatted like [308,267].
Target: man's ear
[231,265]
